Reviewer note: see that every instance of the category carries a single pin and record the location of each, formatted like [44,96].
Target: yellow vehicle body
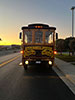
[37,44]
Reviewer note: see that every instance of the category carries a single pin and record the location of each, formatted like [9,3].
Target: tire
[23,62]
[50,66]
[25,67]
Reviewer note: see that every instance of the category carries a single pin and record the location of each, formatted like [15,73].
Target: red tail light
[55,52]
[22,52]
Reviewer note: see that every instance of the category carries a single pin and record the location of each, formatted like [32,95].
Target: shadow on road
[39,70]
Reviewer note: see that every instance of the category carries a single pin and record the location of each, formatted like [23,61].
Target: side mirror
[56,36]
[0,39]
[20,35]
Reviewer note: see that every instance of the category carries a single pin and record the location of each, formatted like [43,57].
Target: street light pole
[72,21]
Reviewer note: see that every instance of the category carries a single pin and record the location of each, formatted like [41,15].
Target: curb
[67,76]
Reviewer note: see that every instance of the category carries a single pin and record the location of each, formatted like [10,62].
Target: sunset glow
[17,13]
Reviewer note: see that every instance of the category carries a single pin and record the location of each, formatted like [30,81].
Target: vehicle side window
[48,37]
[28,37]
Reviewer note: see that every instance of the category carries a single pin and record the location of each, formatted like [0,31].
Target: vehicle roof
[39,26]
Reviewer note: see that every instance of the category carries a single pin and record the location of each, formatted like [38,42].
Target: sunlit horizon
[17,13]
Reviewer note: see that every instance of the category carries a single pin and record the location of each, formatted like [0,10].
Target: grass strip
[66,57]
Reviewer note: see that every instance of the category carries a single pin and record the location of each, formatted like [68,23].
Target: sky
[17,13]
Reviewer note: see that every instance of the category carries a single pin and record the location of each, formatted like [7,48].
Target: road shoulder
[66,72]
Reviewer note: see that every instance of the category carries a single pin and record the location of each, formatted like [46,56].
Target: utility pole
[73,20]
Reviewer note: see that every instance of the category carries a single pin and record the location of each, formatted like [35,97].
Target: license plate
[38,62]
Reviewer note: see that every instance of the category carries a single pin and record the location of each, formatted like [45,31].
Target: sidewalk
[67,69]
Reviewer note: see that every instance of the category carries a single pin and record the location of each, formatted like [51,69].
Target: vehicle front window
[38,37]
[49,37]
[28,37]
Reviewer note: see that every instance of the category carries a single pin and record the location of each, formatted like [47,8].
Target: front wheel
[25,67]
[50,66]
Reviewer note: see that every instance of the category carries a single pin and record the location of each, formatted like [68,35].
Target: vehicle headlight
[26,62]
[50,62]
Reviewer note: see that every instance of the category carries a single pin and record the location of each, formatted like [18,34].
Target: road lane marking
[12,59]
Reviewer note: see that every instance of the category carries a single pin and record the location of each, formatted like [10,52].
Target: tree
[60,45]
[67,42]
[72,46]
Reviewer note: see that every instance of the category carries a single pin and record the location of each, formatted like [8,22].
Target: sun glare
[8,43]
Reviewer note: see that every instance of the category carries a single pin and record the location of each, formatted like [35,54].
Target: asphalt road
[37,83]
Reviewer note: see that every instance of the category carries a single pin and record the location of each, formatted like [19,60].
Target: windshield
[38,37]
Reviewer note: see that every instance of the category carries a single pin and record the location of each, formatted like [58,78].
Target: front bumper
[38,61]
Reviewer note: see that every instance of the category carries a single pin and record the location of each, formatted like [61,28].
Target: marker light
[50,62]
[55,52]
[26,62]
[22,52]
